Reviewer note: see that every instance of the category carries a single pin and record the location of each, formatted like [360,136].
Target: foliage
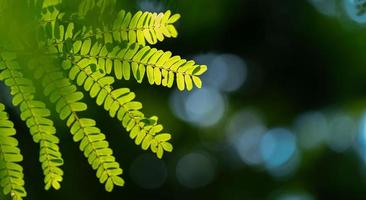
[65,51]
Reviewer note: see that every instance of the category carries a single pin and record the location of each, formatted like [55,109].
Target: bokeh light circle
[288,195]
[277,146]
[226,72]
[244,133]
[195,170]
[148,172]
[343,131]
[203,107]
[361,138]
[325,7]
[312,129]
[356,10]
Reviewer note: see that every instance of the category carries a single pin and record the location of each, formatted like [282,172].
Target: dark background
[302,58]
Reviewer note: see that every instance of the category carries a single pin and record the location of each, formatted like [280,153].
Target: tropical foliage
[73,53]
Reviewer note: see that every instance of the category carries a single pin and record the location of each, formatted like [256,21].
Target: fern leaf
[35,114]
[94,57]
[49,21]
[50,16]
[161,68]
[11,173]
[92,142]
[119,103]
[141,28]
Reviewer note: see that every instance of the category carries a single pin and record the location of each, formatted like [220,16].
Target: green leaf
[202,69]
[188,81]
[118,69]
[160,152]
[163,137]
[126,70]
[197,81]
[69,31]
[146,142]
[150,74]
[109,185]
[172,30]
[180,81]
[167,146]
[174,18]
[157,76]
[118,180]
[56,185]
[134,20]
[85,48]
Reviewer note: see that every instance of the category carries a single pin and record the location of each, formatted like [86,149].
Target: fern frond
[50,16]
[11,173]
[53,34]
[160,67]
[35,114]
[119,103]
[92,142]
[140,27]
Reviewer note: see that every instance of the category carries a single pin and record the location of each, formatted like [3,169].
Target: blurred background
[281,115]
